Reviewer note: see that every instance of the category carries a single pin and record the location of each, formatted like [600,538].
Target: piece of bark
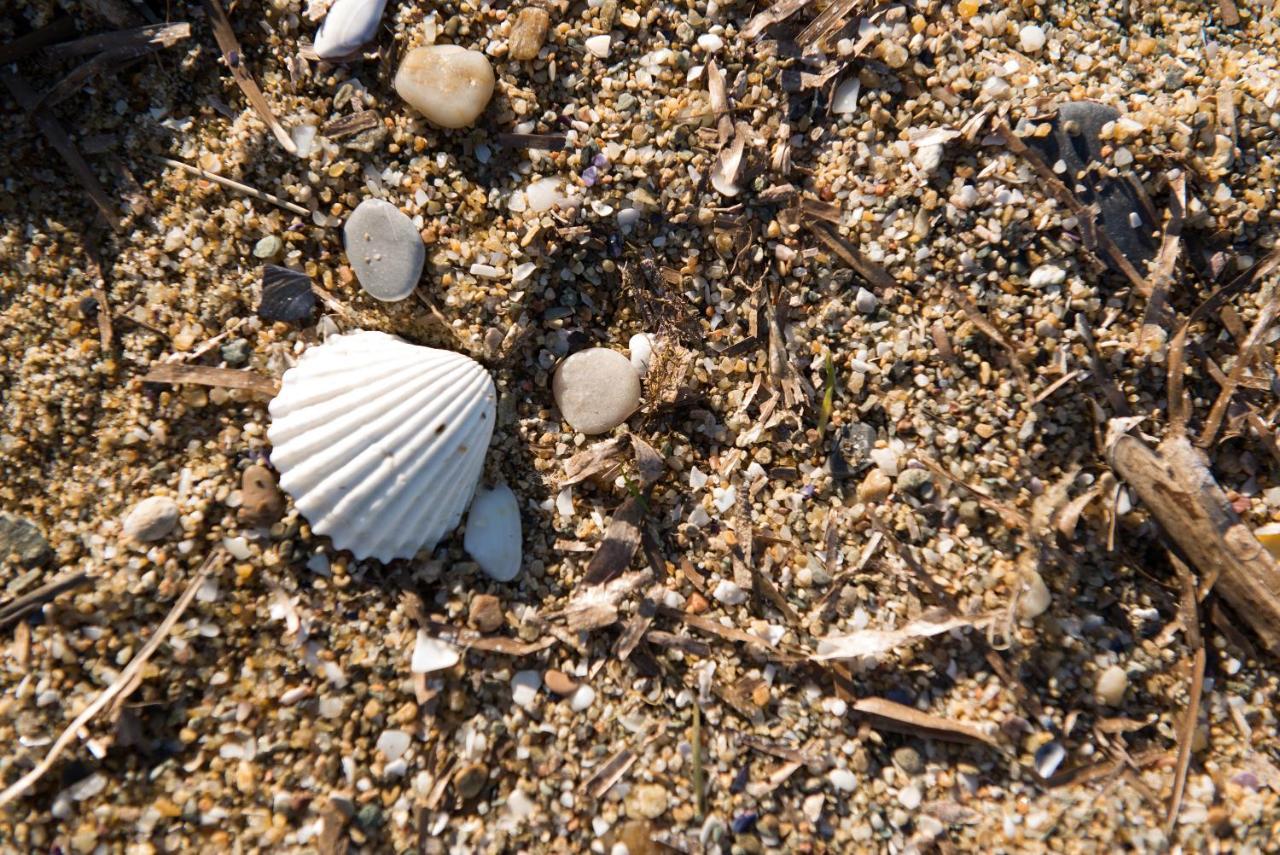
[889,715]
[620,543]
[202,375]
[1176,485]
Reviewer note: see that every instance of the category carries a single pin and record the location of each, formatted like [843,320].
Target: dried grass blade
[1261,326]
[61,142]
[828,20]
[236,185]
[115,694]
[15,49]
[23,605]
[875,275]
[610,773]
[233,55]
[202,375]
[873,642]
[159,35]
[889,715]
[1154,334]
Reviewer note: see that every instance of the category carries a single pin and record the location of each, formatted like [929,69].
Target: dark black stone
[286,295]
[1075,142]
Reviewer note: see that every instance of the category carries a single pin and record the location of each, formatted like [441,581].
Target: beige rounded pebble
[151,519]
[528,33]
[1036,597]
[876,487]
[1112,684]
[596,390]
[448,84]
[647,801]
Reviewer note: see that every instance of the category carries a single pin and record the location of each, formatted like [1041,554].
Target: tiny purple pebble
[600,161]
[589,176]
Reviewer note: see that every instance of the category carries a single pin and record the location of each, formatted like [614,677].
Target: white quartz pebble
[448,84]
[151,519]
[599,46]
[1112,684]
[432,654]
[1031,38]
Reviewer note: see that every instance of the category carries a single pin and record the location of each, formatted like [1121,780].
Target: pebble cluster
[540,187]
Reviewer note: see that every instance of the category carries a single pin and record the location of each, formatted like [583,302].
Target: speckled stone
[151,519]
[21,538]
[596,390]
[384,249]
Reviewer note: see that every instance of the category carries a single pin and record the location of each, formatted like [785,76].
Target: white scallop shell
[381,442]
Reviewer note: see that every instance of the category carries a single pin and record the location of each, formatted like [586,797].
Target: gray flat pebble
[596,390]
[20,537]
[384,249]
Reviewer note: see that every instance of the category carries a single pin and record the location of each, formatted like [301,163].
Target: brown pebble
[559,682]
[486,613]
[528,33]
[875,487]
[469,781]
[696,604]
[261,503]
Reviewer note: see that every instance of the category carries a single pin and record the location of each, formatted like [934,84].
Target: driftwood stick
[125,683]
[1176,485]
[23,605]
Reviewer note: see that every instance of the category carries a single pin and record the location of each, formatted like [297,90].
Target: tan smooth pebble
[448,84]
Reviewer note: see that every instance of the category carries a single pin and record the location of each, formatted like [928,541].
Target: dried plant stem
[236,185]
[128,680]
[233,55]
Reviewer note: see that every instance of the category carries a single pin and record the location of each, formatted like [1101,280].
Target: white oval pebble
[151,519]
[547,193]
[910,797]
[393,744]
[447,84]
[493,533]
[865,301]
[596,390]
[1112,684]
[582,697]
[1031,38]
[432,654]
[1047,274]
[710,42]
[384,249]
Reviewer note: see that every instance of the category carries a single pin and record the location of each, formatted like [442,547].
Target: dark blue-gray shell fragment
[286,295]
[1127,215]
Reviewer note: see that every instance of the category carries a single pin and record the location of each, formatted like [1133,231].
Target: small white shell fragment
[843,780]
[928,157]
[151,519]
[844,101]
[641,347]
[493,533]
[432,654]
[348,25]
[547,193]
[710,42]
[381,442]
[599,46]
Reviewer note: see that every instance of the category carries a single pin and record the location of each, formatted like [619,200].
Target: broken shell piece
[432,654]
[493,533]
[349,25]
[381,442]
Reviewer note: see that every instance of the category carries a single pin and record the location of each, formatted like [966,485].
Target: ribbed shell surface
[381,442]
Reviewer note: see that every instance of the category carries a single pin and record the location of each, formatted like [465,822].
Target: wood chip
[609,774]
[889,715]
[345,126]
[202,375]
[620,543]
[1176,485]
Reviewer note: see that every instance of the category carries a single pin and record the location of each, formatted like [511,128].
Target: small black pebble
[89,307]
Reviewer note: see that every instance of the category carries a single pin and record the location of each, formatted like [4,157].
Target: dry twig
[234,58]
[114,694]
[203,375]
